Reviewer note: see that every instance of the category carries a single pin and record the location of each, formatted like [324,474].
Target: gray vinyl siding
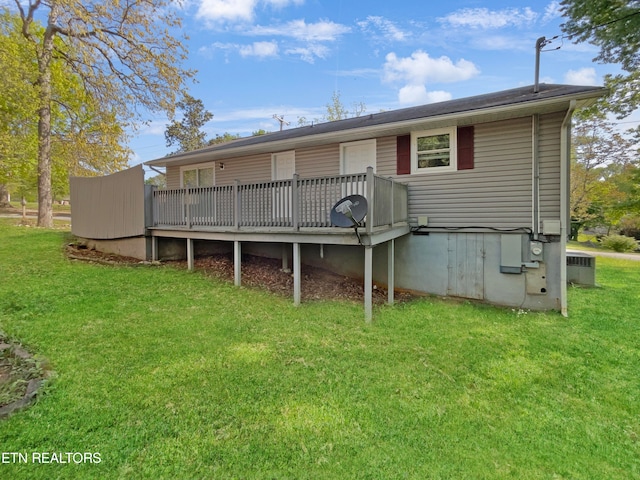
[322,161]
[173,177]
[495,193]
[250,169]
[386,161]
[310,162]
[549,149]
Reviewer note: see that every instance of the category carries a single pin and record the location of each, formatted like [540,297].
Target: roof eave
[392,128]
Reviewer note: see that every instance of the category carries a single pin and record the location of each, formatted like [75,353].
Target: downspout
[565,214]
[535,176]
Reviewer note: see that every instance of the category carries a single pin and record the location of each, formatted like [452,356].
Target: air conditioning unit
[581,268]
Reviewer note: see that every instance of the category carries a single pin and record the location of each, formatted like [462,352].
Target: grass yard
[167,374]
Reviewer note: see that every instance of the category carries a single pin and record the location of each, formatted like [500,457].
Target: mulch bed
[260,272]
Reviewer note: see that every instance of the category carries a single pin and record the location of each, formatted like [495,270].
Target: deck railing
[293,203]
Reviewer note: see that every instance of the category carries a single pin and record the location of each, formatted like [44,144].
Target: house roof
[468,110]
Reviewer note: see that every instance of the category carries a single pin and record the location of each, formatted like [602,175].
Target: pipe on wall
[535,176]
[565,213]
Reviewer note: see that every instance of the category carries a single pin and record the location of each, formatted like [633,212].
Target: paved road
[626,256]
[62,216]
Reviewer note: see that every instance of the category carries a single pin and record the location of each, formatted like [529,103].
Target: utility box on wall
[510,254]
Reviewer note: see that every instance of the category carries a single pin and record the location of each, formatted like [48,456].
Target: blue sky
[257,58]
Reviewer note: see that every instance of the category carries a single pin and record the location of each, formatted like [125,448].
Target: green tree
[224,138]
[159,180]
[336,110]
[18,133]
[122,51]
[86,139]
[600,157]
[612,26]
[187,133]
[628,183]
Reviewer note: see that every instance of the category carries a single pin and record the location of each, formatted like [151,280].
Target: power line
[596,27]
[549,41]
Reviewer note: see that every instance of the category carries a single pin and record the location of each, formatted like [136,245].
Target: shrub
[630,226]
[620,243]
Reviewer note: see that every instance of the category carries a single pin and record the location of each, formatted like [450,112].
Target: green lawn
[168,374]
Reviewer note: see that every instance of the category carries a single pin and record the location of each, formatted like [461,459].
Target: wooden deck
[295,206]
[295,211]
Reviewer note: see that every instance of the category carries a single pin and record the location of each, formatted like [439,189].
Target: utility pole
[540,44]
[281,120]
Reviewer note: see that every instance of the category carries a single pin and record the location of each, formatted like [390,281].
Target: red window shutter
[465,148]
[403,146]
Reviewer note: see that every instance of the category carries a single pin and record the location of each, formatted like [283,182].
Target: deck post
[154,249]
[368,284]
[285,258]
[369,195]
[237,263]
[236,204]
[296,275]
[295,202]
[391,270]
[188,207]
[189,253]
[391,203]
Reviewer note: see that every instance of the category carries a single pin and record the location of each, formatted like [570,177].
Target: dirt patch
[261,272]
[82,252]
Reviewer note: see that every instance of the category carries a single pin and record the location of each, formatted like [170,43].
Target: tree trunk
[45,197]
[4,195]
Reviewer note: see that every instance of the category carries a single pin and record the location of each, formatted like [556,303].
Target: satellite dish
[349,211]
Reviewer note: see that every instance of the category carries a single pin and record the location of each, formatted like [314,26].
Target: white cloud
[312,36]
[584,76]
[283,3]
[509,43]
[323,31]
[552,11]
[418,95]
[227,10]
[389,31]
[310,52]
[483,18]
[237,10]
[255,49]
[419,69]
[259,49]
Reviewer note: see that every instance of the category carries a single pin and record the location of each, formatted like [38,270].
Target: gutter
[565,214]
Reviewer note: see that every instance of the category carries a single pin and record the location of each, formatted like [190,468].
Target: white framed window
[434,151]
[198,176]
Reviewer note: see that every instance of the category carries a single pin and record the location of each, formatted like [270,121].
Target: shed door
[466,265]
